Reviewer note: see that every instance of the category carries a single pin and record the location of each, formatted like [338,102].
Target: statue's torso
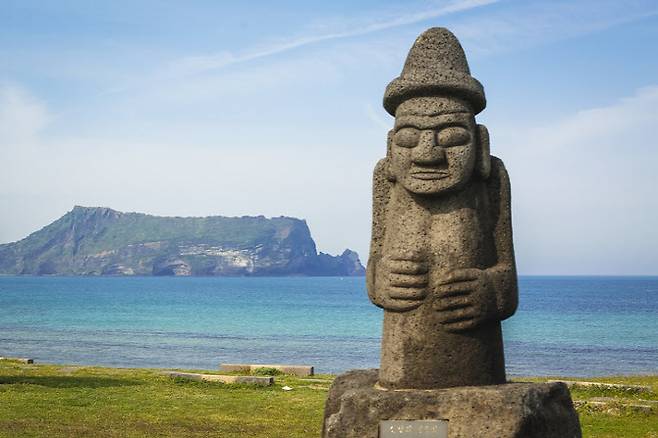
[449,234]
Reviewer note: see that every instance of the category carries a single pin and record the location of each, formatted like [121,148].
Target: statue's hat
[436,64]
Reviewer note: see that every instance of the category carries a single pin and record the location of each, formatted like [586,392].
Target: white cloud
[584,189]
[22,116]
[515,25]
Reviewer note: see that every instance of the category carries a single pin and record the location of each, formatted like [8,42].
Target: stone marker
[614,405]
[18,359]
[604,386]
[249,380]
[442,267]
[296,370]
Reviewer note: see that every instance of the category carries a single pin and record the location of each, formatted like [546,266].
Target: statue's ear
[483,160]
[389,145]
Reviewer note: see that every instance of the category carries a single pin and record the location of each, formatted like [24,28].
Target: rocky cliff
[102,241]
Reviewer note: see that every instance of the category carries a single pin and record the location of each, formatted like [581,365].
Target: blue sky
[205,107]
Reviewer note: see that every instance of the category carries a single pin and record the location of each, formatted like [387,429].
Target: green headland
[102,241]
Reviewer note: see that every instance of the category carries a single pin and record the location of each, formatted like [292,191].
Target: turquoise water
[564,325]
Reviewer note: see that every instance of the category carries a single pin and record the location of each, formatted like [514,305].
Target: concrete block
[248,380]
[296,370]
[598,385]
[18,359]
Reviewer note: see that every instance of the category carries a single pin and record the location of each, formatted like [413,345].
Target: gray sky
[201,108]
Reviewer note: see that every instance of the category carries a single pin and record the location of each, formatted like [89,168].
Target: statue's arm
[380,194]
[397,281]
[466,298]
[503,274]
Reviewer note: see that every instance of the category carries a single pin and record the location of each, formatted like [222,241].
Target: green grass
[68,401]
[62,401]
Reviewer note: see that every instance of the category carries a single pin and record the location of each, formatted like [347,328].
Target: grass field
[75,401]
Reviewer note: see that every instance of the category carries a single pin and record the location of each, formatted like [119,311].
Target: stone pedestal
[355,407]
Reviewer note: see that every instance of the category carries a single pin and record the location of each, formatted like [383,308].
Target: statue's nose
[427,151]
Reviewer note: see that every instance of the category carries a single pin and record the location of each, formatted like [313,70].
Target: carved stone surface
[515,410]
[442,267]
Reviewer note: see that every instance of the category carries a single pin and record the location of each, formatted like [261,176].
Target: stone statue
[442,268]
[441,260]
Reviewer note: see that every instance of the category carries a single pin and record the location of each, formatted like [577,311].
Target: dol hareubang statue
[442,261]
[442,268]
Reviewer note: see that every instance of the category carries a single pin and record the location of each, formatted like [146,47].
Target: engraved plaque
[413,428]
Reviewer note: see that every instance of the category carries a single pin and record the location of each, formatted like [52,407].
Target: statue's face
[434,144]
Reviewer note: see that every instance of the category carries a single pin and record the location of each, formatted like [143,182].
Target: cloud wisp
[508,27]
[523,25]
[198,64]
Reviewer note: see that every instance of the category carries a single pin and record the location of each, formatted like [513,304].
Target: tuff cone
[436,64]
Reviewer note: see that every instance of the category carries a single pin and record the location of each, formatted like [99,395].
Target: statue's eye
[407,137]
[453,136]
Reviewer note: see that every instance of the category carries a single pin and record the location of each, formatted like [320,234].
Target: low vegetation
[75,401]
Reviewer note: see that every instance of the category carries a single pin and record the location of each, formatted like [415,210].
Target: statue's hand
[402,282]
[465,299]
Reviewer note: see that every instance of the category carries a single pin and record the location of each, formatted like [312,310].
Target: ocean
[567,326]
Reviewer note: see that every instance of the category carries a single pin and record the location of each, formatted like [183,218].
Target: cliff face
[102,241]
